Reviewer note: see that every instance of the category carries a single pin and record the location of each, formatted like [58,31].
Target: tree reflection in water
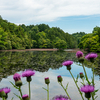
[11,62]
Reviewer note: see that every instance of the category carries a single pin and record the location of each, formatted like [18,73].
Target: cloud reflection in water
[37,83]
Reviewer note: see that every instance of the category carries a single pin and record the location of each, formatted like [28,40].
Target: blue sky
[69,15]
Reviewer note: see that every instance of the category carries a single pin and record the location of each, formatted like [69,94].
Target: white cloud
[23,11]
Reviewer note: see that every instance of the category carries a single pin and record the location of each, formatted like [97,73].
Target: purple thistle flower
[61,97]
[6,90]
[2,93]
[28,73]
[87,88]
[17,77]
[25,96]
[67,63]
[91,56]
[79,54]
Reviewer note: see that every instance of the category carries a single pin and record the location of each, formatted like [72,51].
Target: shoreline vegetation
[70,50]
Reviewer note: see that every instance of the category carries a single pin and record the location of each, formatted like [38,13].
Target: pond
[45,64]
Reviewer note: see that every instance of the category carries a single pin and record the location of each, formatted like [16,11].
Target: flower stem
[76,85]
[47,91]
[93,73]
[64,89]
[85,74]
[29,91]
[93,79]
[20,91]
[3,98]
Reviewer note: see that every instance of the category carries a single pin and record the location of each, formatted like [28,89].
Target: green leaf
[95,97]
[14,85]
[67,86]
[12,98]
[77,78]
[44,89]
[18,96]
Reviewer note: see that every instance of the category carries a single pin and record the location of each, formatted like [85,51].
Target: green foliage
[78,36]
[91,42]
[33,36]
[60,44]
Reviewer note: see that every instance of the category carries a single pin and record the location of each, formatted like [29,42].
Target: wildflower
[61,97]
[2,93]
[59,78]
[17,78]
[68,64]
[81,75]
[6,90]
[47,81]
[91,56]
[80,57]
[25,97]
[87,89]
[28,74]
[79,54]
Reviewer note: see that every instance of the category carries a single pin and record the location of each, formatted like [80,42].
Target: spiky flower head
[79,54]
[6,90]
[87,89]
[17,78]
[91,56]
[68,64]
[28,73]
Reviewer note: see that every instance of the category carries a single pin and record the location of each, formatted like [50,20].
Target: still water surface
[37,92]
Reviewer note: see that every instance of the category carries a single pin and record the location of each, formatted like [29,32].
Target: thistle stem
[93,79]
[47,91]
[29,91]
[85,74]
[76,85]
[93,73]
[20,91]
[3,98]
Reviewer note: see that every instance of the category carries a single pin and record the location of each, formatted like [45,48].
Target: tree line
[91,41]
[14,36]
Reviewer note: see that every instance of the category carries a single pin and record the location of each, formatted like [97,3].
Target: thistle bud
[81,75]
[47,81]
[2,93]
[81,59]
[59,78]
[18,83]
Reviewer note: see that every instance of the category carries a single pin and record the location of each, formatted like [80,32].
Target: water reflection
[11,62]
[46,64]
[55,89]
